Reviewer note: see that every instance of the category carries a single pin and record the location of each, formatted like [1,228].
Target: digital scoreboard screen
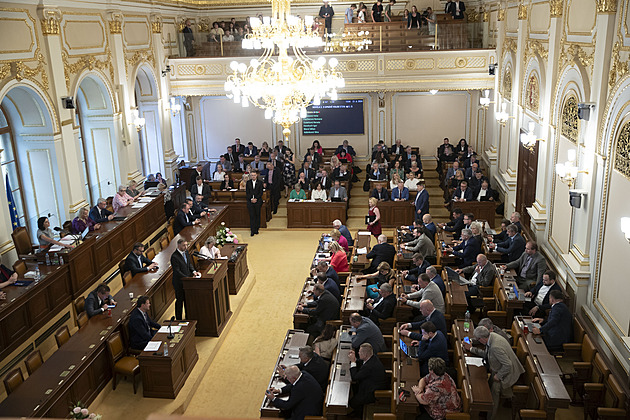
[343,116]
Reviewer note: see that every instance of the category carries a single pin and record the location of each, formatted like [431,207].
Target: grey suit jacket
[423,245]
[368,332]
[536,268]
[486,276]
[343,194]
[502,361]
[432,292]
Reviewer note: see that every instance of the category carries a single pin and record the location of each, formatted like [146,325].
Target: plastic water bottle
[47,259]
[37,274]
[61,260]
[165,349]
[467,321]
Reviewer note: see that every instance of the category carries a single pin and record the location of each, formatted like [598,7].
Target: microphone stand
[170,335]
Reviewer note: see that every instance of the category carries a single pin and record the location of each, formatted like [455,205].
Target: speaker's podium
[207,297]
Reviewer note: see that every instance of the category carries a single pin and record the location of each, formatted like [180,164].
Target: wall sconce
[568,171]
[503,116]
[625,227]
[484,101]
[136,120]
[175,108]
[434,91]
[529,139]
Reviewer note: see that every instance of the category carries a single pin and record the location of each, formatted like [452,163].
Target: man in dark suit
[99,213]
[515,218]
[280,148]
[436,278]
[364,330]
[481,274]
[383,307]
[558,329]
[467,250]
[420,266]
[329,284]
[513,247]
[397,149]
[315,365]
[463,193]
[323,267]
[539,295]
[367,377]
[250,150]
[237,147]
[141,328]
[309,173]
[421,202]
[456,9]
[136,262]
[200,188]
[198,207]
[305,395]
[184,218]
[427,221]
[456,224]
[471,171]
[254,192]
[97,301]
[432,344]
[324,308]
[182,264]
[231,158]
[530,266]
[240,165]
[377,174]
[343,230]
[341,173]
[380,193]
[273,182]
[198,172]
[429,313]
[345,146]
[381,252]
[325,180]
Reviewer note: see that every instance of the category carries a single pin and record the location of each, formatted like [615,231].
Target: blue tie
[185,259]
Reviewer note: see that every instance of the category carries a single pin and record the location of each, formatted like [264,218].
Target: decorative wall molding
[137,57]
[51,19]
[570,123]
[156,24]
[606,6]
[89,62]
[522,12]
[622,151]
[115,23]
[535,47]
[618,67]
[555,8]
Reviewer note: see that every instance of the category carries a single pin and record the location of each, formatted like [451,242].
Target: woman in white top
[219,174]
[209,250]
[394,182]
[361,16]
[412,182]
[319,193]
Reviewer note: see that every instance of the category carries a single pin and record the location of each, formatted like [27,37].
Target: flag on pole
[15,220]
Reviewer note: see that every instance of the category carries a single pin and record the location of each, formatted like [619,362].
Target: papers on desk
[138,205]
[29,275]
[361,251]
[364,233]
[474,361]
[153,346]
[340,393]
[174,328]
[145,199]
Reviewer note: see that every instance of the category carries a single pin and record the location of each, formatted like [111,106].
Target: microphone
[57,229]
[170,335]
[200,255]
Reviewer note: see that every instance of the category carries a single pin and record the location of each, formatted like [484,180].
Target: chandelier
[284,86]
[350,41]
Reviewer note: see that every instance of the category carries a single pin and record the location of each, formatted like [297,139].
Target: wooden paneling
[315,213]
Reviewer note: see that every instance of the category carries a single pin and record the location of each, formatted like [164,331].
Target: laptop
[119,218]
[335,199]
[85,233]
[408,289]
[407,255]
[454,276]
[409,351]
[345,337]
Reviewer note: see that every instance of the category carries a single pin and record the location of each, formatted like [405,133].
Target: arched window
[10,166]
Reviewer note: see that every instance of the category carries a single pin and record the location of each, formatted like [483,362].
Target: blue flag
[15,220]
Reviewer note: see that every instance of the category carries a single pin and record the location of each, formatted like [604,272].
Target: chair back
[127,277]
[588,349]
[20,267]
[170,231]
[115,346]
[22,241]
[121,268]
[150,253]
[615,397]
[600,371]
[62,336]
[164,243]
[82,319]
[13,379]
[33,361]
[521,350]
[79,305]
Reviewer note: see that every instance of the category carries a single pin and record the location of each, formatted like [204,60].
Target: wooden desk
[547,369]
[404,312]
[396,213]
[287,357]
[80,369]
[359,261]
[353,299]
[164,376]
[237,270]
[407,374]
[300,320]
[509,301]
[484,210]
[338,391]
[457,292]
[238,216]
[315,213]
[208,299]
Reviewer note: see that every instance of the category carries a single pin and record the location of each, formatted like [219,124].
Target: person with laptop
[325,307]
[338,193]
[432,344]
[512,248]
[481,274]
[420,266]
[141,327]
[98,300]
[312,363]
[530,266]
[429,313]
[427,290]
[99,213]
[136,262]
[481,351]
[558,328]
[539,303]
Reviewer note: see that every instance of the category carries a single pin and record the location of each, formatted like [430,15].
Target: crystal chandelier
[285,86]
[350,41]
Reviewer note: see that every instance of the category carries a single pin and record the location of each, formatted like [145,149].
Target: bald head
[426,307]
[482,259]
[382,239]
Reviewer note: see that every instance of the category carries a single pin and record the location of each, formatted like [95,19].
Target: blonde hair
[334,247]
[396,178]
[372,201]
[335,234]
[478,226]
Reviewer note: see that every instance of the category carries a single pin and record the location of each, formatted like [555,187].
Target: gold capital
[555,8]
[156,24]
[522,12]
[501,15]
[50,21]
[115,22]
[606,6]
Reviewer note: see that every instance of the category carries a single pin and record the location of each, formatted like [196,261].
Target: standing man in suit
[367,377]
[456,9]
[421,202]
[193,177]
[558,329]
[326,12]
[305,395]
[481,274]
[136,262]
[337,191]
[429,313]
[463,193]
[254,192]
[99,213]
[504,366]
[184,218]
[467,250]
[182,264]
[530,266]
[432,344]
[141,327]
[540,294]
[237,147]
[383,307]
[273,182]
[512,247]
[199,188]
[324,308]
[379,253]
[97,301]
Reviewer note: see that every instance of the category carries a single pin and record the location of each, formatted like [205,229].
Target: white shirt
[336,192]
[482,193]
[218,176]
[214,252]
[541,294]
[412,184]
[198,189]
[321,195]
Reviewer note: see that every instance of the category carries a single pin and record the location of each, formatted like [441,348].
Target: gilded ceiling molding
[89,62]
[606,6]
[19,70]
[50,21]
[138,57]
[535,47]
[555,8]
[619,67]
[115,23]
[522,12]
[156,24]
[203,25]
[509,44]
[501,14]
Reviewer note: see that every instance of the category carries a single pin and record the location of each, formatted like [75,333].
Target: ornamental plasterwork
[618,67]
[606,6]
[501,15]
[20,71]
[522,12]
[89,62]
[570,122]
[573,53]
[622,151]
[50,21]
[507,83]
[156,24]
[138,57]
[115,23]
[203,25]
[532,93]
[555,8]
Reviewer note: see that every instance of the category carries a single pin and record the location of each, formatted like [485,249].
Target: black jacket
[325,308]
[381,252]
[182,220]
[132,264]
[369,378]
[318,368]
[140,331]
[455,226]
[545,303]
[92,306]
[252,192]
[181,268]
[305,398]
[438,320]
[384,195]
[384,310]
[558,329]
[99,218]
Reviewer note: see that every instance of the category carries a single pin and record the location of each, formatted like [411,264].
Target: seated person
[530,266]
[429,313]
[324,307]
[305,394]
[475,182]
[512,248]
[422,243]
[395,179]
[250,150]
[558,328]
[198,207]
[312,363]
[98,300]
[436,278]
[376,174]
[121,199]
[381,307]
[515,218]
[326,344]
[205,190]
[426,290]
[45,234]
[463,193]
[401,193]
[452,171]
[437,392]
[132,189]
[384,274]
[481,274]
[367,377]
[341,173]
[427,221]
[502,234]
[338,193]
[82,222]
[210,250]
[141,327]
[258,164]
[448,155]
[336,236]
[323,267]
[325,180]
[411,183]
[297,193]
[484,193]
[159,179]
[309,173]
[240,165]
[304,182]
[136,262]
[318,193]
[338,258]
[243,184]
[480,351]
[345,147]
[432,344]
[456,224]
[409,163]
[329,284]
[380,193]
[539,304]
[99,213]
[420,266]
[380,252]
[467,250]
[184,218]
[415,170]
[264,151]
[219,174]
[379,153]
[364,330]
[227,183]
[7,278]
[472,170]
[344,157]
